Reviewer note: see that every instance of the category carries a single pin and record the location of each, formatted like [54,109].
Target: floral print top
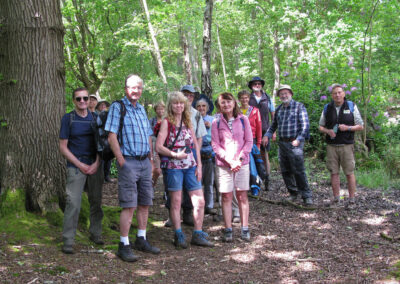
[185,139]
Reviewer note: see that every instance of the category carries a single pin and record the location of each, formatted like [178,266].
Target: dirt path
[289,245]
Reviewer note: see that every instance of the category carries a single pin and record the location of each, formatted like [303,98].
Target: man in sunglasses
[134,155]
[261,100]
[77,145]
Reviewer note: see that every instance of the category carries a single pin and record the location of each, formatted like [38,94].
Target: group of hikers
[193,150]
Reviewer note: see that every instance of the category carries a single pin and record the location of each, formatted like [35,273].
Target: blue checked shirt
[291,121]
[136,129]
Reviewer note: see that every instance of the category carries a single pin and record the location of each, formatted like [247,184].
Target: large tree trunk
[222,59]
[155,53]
[277,65]
[32,100]
[206,87]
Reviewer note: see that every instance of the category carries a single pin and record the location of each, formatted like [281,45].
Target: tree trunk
[187,67]
[206,87]
[277,65]
[32,100]
[155,53]
[193,59]
[222,59]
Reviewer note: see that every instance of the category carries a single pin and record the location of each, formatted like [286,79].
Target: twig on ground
[285,203]
[389,238]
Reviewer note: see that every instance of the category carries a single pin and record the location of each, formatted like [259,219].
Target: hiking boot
[335,203]
[200,239]
[96,239]
[188,218]
[107,179]
[210,211]
[245,235]
[168,223]
[125,253]
[143,245]
[236,219]
[308,201]
[67,249]
[179,240]
[228,236]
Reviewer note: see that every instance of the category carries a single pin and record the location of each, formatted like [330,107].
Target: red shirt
[255,123]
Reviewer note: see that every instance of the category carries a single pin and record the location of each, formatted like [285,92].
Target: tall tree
[32,100]
[206,87]
[222,58]
[155,52]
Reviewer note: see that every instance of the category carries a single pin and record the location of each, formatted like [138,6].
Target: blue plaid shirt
[136,130]
[291,121]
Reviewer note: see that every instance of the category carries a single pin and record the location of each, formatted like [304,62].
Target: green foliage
[376,178]
[392,159]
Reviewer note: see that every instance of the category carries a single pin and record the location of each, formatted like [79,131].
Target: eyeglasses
[78,99]
[257,83]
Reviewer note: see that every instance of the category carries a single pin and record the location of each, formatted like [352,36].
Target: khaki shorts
[227,180]
[337,156]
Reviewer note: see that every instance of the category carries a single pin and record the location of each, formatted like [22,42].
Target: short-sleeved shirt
[199,127]
[79,133]
[135,131]
[357,116]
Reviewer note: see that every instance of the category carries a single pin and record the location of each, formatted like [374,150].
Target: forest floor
[289,245]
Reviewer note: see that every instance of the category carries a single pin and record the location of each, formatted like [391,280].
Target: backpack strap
[197,122]
[241,120]
[351,106]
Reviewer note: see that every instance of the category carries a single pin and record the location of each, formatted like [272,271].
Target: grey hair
[336,85]
[203,101]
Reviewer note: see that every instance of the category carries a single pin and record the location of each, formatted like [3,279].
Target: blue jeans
[291,160]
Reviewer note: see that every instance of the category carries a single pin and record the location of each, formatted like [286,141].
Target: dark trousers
[291,160]
[107,168]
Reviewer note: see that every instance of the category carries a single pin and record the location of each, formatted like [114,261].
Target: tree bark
[277,65]
[32,100]
[193,59]
[222,59]
[206,87]
[155,53]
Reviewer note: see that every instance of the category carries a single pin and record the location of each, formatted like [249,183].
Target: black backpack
[101,135]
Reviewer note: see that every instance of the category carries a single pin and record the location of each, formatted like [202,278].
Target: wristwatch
[349,129]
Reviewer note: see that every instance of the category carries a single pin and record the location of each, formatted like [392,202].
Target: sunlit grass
[377,178]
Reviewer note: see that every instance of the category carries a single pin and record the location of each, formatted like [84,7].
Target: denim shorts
[177,178]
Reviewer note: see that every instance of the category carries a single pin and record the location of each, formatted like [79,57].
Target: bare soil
[289,245]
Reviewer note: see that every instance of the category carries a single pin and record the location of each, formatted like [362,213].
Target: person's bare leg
[142,215]
[175,210]
[335,181]
[125,221]
[243,207]
[351,185]
[227,208]
[198,202]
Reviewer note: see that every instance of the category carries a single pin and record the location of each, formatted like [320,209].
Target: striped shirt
[136,129]
[291,121]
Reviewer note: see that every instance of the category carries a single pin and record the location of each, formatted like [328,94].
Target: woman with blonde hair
[177,141]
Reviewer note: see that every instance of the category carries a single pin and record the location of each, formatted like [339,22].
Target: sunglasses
[257,83]
[78,99]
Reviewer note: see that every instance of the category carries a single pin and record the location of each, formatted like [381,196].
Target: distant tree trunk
[193,58]
[32,100]
[222,59]
[260,53]
[206,87]
[187,67]
[155,53]
[277,65]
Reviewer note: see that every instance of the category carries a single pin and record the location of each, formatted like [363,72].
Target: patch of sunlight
[3,268]
[375,220]
[307,215]
[287,255]
[271,237]
[159,224]
[214,228]
[145,272]
[325,226]
[315,223]
[244,256]
[306,266]
[15,248]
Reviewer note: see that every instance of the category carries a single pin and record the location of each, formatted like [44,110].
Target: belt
[140,158]
[289,139]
